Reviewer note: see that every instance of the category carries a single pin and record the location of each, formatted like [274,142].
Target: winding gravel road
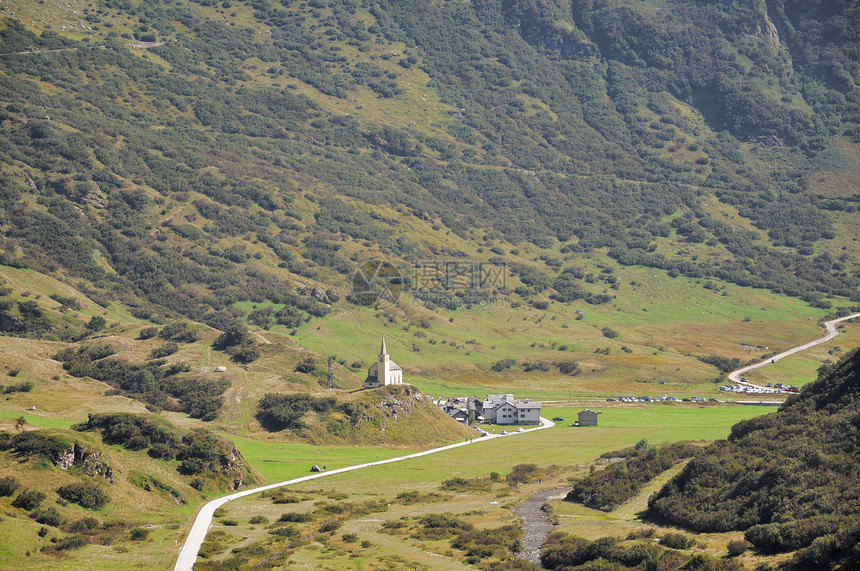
[734,376]
[188,553]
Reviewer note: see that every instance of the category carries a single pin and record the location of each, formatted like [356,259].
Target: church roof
[383,350]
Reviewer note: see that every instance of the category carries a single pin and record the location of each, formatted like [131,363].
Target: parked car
[558,419]
[504,433]
[521,429]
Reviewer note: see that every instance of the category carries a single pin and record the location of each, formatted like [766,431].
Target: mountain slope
[187,162]
[788,478]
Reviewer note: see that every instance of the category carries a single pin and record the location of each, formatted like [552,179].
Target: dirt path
[832,332]
[631,509]
[260,338]
[168,219]
[536,524]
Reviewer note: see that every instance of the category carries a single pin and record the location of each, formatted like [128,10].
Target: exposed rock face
[90,461]
[66,459]
[766,29]
[401,400]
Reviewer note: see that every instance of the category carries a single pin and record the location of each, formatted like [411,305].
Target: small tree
[97,323]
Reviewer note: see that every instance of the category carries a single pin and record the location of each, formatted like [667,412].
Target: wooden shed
[587,417]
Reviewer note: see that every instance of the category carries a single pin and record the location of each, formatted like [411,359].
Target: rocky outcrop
[90,461]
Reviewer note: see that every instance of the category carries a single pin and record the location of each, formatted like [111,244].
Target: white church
[384,371]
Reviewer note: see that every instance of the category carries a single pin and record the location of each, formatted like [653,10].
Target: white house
[505,409]
[384,371]
[528,412]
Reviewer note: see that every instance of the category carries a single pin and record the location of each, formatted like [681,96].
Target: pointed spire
[383,350]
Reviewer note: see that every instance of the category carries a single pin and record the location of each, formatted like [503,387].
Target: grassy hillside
[72,498]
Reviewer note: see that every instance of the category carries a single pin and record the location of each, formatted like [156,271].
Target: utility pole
[330,373]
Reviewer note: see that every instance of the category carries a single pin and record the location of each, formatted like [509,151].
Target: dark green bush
[48,516]
[290,531]
[139,533]
[28,499]
[295,517]
[677,541]
[8,485]
[86,494]
[738,547]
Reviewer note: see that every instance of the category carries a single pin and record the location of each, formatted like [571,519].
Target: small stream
[536,524]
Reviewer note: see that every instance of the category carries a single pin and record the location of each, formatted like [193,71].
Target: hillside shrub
[738,547]
[139,533]
[290,531]
[295,517]
[277,411]
[164,350]
[8,486]
[677,541]
[48,516]
[440,526]
[83,525]
[147,333]
[28,499]
[86,494]
[503,364]
[523,474]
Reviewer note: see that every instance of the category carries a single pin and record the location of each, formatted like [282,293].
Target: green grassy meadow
[561,445]
[278,461]
[563,453]
[619,426]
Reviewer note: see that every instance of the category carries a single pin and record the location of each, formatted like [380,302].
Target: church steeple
[385,371]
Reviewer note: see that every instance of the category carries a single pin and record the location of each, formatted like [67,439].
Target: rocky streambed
[536,524]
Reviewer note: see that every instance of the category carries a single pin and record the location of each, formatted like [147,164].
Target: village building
[587,418]
[505,409]
[384,372]
[463,409]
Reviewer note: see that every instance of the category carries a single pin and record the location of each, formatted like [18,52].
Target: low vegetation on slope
[200,453]
[563,552]
[627,473]
[392,415]
[789,478]
[153,382]
[101,488]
